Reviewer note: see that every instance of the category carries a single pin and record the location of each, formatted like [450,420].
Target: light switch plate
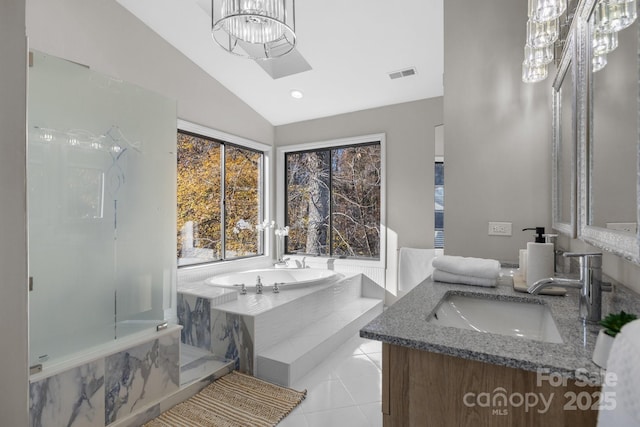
[499,229]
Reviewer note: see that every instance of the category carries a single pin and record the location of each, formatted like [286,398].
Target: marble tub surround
[104,389]
[194,314]
[405,324]
[233,339]
[280,336]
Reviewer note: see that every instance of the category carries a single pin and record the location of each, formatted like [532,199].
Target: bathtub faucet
[282,262]
[301,264]
[258,286]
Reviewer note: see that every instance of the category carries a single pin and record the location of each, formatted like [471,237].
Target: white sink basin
[482,314]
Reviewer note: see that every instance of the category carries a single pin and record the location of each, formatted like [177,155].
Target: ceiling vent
[402,73]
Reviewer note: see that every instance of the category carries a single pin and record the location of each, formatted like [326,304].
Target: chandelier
[255,29]
[608,18]
[542,34]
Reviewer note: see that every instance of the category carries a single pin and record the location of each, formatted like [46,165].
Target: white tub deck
[294,330]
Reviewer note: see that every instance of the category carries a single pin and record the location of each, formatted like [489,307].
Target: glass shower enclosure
[101,206]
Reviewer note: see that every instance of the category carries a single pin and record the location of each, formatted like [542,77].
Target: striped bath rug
[234,400]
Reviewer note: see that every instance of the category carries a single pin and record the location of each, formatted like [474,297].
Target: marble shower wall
[100,392]
[72,398]
[139,376]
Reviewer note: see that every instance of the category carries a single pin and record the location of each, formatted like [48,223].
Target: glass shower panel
[101,194]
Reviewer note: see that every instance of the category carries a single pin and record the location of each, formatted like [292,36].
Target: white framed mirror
[564,134]
[609,184]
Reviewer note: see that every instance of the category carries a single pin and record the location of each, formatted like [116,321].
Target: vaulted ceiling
[351,47]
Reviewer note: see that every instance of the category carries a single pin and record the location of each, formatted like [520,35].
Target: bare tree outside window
[308,202]
[333,201]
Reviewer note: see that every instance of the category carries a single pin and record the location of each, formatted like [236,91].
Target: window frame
[281,186]
[264,242]
[438,159]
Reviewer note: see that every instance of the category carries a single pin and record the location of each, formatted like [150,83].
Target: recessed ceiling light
[296,94]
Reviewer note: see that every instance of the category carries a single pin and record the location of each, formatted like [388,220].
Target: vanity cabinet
[421,388]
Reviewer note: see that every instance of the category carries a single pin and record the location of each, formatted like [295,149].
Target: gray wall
[13,236]
[410,151]
[109,39]
[497,131]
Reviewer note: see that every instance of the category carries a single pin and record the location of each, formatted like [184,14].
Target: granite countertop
[405,324]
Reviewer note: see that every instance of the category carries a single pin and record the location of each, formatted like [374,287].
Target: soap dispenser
[540,257]
[540,236]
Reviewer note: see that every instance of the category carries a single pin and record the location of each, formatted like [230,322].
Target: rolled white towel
[468,266]
[444,276]
[620,402]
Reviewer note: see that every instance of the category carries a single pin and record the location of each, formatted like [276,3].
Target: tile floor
[344,391]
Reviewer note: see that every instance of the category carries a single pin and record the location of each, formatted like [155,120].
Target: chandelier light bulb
[546,10]
[534,73]
[541,34]
[598,62]
[604,43]
[538,56]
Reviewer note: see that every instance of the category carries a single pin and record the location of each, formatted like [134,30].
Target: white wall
[13,238]
[410,151]
[410,137]
[497,131]
[109,39]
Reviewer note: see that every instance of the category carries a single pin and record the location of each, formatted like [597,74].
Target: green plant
[615,321]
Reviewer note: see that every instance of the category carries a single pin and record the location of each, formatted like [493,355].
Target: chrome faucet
[243,289]
[258,286]
[590,284]
[301,263]
[284,262]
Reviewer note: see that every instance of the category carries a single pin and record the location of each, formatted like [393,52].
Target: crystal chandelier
[542,34]
[610,17]
[256,29]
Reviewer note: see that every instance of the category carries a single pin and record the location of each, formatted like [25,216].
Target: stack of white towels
[466,270]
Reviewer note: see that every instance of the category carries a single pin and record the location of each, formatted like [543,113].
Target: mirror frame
[566,65]
[616,242]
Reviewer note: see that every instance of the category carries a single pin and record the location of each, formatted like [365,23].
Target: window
[439,205]
[219,198]
[334,199]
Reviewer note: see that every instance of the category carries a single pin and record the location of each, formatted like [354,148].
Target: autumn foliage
[200,202]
